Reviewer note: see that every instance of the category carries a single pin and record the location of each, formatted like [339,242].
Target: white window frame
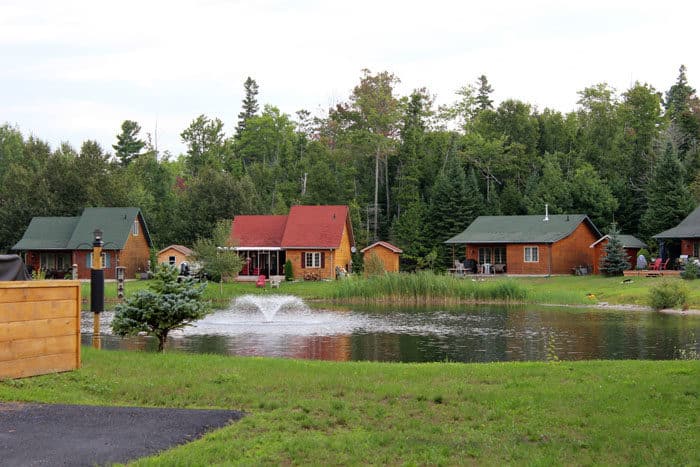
[533,258]
[135,228]
[499,255]
[312,259]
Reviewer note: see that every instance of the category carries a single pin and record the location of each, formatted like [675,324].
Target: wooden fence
[39,327]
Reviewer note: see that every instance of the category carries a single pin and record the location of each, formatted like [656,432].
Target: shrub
[668,294]
[374,266]
[691,270]
[288,270]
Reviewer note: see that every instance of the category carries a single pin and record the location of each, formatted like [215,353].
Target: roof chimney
[546,213]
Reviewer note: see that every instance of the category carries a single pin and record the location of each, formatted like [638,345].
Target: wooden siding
[39,327]
[574,250]
[343,255]
[134,256]
[163,258]
[687,246]
[389,258]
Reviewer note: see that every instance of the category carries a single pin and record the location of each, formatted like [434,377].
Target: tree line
[412,172]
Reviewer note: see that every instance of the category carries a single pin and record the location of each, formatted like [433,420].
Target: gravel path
[38,434]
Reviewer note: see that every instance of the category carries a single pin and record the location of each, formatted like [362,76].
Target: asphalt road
[47,434]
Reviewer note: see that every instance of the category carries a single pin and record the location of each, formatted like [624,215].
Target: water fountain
[270,305]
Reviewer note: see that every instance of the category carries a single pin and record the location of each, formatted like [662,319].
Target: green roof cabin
[533,245]
[54,244]
[688,232]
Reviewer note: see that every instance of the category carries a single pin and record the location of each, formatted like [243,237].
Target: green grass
[565,290]
[323,413]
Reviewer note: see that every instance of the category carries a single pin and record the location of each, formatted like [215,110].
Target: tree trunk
[376,191]
[161,340]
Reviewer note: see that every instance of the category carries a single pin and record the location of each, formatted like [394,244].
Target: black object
[97,290]
[470,265]
[12,269]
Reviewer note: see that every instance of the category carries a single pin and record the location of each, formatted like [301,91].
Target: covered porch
[261,261]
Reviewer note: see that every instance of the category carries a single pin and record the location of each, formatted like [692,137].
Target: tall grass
[428,287]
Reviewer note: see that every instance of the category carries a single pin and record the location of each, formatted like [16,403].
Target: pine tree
[484,91]
[668,198]
[615,259]
[128,145]
[452,207]
[250,105]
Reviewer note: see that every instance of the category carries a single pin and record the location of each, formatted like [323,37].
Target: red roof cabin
[316,239]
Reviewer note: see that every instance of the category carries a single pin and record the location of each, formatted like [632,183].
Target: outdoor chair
[261,281]
[656,266]
[664,266]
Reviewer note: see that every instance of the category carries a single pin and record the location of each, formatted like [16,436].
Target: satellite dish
[353,249]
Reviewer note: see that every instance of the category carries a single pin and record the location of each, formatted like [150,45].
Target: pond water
[286,327]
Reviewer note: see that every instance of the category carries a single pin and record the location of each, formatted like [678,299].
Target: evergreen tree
[452,207]
[250,105]
[483,96]
[680,104]
[128,145]
[668,199]
[167,305]
[615,259]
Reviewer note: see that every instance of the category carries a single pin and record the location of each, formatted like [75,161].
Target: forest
[412,172]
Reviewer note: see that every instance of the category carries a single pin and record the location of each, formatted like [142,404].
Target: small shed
[388,253]
[174,255]
[630,243]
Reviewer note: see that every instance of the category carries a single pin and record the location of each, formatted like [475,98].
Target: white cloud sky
[74,70]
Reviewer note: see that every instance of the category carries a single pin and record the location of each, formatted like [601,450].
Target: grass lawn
[569,290]
[321,413]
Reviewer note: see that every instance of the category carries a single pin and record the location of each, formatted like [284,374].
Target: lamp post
[97,286]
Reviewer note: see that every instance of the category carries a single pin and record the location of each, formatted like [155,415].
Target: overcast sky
[75,70]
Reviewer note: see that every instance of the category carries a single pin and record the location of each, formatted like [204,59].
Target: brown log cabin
[532,245]
[54,244]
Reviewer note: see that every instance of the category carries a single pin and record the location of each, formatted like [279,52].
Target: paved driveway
[43,434]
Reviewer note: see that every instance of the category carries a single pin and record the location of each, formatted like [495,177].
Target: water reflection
[423,334]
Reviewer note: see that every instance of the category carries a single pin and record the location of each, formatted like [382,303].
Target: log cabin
[532,245]
[317,240]
[54,244]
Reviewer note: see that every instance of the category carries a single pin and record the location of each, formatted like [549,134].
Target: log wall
[39,327]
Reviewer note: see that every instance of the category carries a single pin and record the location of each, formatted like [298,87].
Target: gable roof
[628,241]
[181,248]
[47,233]
[386,245]
[77,233]
[522,229]
[258,231]
[316,227]
[688,227]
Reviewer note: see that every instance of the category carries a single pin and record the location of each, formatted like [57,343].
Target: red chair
[261,281]
[657,265]
[665,265]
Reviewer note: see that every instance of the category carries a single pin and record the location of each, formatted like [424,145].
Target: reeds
[426,287]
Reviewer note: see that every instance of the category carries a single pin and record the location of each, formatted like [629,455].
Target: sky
[71,71]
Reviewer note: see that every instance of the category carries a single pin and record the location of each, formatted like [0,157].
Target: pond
[285,326]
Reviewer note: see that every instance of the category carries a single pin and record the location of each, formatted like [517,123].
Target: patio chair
[656,266]
[664,266]
[261,281]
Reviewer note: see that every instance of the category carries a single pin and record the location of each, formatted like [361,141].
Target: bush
[288,270]
[668,294]
[374,266]
[691,270]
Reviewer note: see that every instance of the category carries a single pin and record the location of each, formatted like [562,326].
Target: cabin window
[47,261]
[135,227]
[312,260]
[499,255]
[171,260]
[532,254]
[484,255]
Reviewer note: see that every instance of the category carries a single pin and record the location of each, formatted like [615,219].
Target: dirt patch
[42,434]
